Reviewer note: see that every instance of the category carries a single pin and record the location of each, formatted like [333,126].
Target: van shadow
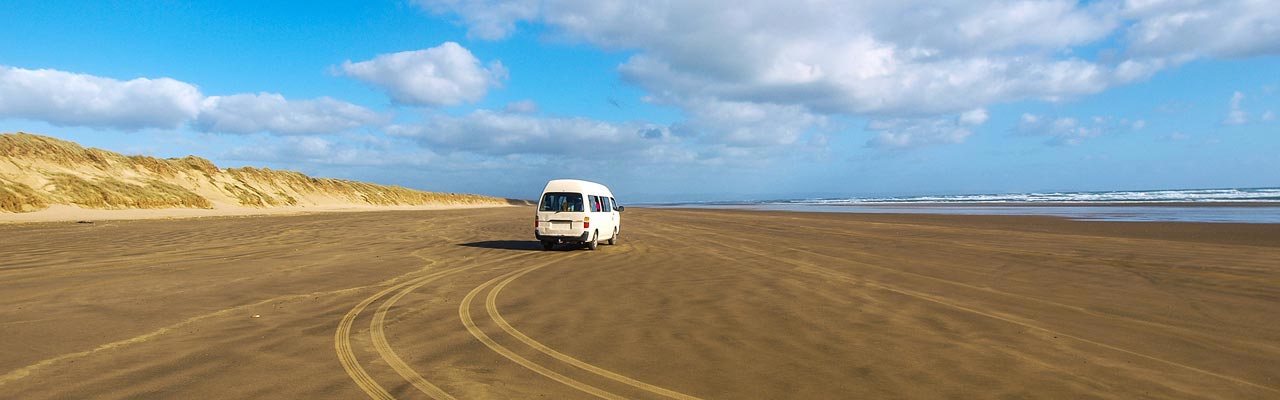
[518,245]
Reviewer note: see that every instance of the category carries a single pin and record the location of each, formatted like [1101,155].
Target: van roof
[576,185]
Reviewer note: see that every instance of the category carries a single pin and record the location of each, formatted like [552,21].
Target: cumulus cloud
[71,99]
[855,73]
[1070,131]
[745,124]
[486,19]
[867,58]
[444,75]
[344,151]
[494,133]
[271,112]
[500,134]
[901,133]
[974,117]
[1187,29]
[1236,115]
[715,132]
[910,65]
[74,99]
[525,106]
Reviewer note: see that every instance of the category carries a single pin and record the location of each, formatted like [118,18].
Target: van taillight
[535,221]
[586,222]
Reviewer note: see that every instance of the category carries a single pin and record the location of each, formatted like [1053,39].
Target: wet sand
[691,304]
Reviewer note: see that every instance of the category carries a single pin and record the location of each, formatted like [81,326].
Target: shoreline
[986,204]
[1069,204]
[1252,212]
[1226,233]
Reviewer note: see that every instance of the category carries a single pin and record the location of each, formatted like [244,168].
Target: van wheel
[613,240]
[595,241]
[547,244]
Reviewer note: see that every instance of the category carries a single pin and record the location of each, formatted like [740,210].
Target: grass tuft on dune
[17,197]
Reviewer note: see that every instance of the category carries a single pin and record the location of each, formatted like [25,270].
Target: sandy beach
[723,304]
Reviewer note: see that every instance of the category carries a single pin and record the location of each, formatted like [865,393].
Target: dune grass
[168,182]
[355,191]
[17,197]
[110,193]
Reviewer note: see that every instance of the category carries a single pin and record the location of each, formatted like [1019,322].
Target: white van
[574,211]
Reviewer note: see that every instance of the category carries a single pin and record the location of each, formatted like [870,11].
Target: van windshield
[560,201]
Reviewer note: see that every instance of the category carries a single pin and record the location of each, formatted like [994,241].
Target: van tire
[547,244]
[613,240]
[595,241]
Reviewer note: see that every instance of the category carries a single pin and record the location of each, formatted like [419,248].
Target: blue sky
[668,101]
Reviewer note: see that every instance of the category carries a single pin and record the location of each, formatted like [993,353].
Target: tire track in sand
[464,312]
[492,306]
[342,342]
[347,356]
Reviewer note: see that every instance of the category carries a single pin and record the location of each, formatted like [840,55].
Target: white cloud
[65,98]
[1063,130]
[974,117]
[73,99]
[500,134]
[525,106]
[486,19]
[857,74]
[444,75]
[915,61]
[745,124]
[901,133]
[1269,116]
[1139,125]
[1187,29]
[867,58]
[270,112]
[1235,115]
[345,151]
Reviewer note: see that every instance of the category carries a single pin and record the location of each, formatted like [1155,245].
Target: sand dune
[691,304]
[40,172]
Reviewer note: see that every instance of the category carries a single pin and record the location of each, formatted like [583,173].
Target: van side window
[595,203]
[605,201]
[613,204]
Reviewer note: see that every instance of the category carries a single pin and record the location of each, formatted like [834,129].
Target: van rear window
[560,201]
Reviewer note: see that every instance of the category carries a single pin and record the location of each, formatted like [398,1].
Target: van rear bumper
[563,238]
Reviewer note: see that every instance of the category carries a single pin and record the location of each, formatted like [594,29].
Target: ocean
[1240,205]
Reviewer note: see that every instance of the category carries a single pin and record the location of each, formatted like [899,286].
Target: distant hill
[39,171]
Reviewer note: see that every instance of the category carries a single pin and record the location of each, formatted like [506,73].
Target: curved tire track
[464,312]
[342,340]
[347,356]
[492,307]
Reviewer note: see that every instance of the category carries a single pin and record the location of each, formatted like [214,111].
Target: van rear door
[562,212]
